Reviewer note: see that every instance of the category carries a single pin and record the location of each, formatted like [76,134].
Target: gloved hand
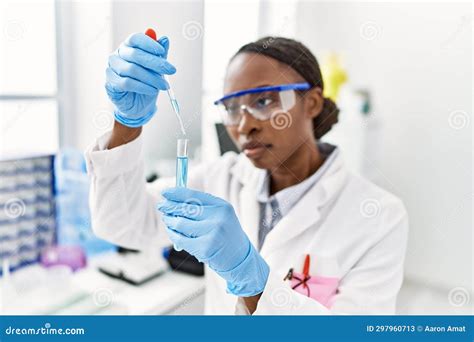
[207,227]
[134,77]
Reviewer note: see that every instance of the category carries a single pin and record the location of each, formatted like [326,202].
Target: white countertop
[36,290]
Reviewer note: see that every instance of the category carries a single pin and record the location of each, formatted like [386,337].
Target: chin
[262,163]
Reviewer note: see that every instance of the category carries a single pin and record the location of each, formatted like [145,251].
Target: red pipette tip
[151,33]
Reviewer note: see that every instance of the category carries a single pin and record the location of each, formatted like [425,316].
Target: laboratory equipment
[73,215]
[175,105]
[174,102]
[71,256]
[132,267]
[182,261]
[7,290]
[182,143]
[334,75]
[225,141]
[27,210]
[182,163]
[151,33]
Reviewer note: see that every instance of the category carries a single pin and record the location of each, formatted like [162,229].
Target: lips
[254,149]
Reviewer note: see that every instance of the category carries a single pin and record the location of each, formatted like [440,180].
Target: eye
[263,102]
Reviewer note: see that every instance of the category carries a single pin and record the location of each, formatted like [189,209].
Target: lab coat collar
[305,213]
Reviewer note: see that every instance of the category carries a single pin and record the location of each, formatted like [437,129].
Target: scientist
[283,227]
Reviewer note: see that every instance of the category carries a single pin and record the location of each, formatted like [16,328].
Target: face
[271,143]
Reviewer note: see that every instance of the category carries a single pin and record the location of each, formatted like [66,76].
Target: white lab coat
[352,229]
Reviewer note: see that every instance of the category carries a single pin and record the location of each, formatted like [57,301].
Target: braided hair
[298,57]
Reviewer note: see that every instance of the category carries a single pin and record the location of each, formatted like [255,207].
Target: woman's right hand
[134,77]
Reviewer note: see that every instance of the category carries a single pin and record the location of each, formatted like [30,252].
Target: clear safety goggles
[262,103]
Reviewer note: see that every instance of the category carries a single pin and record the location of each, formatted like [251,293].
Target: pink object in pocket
[319,288]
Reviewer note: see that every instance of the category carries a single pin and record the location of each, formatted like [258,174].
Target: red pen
[307,262]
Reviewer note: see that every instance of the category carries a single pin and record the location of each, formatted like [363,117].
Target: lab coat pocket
[322,289]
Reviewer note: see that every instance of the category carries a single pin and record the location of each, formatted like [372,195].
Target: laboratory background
[400,72]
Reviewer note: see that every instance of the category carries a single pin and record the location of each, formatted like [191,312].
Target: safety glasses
[262,103]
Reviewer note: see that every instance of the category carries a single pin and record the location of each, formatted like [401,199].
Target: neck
[302,164]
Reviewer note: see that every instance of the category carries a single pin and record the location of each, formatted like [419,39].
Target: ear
[314,102]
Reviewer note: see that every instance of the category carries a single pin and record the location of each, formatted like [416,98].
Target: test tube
[182,163]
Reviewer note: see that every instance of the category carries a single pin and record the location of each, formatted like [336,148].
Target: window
[28,78]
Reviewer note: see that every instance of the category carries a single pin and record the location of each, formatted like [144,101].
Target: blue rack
[27,209]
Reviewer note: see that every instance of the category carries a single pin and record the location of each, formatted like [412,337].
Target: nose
[248,124]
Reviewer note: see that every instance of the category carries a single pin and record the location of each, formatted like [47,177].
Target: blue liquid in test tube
[181,171]
[182,163]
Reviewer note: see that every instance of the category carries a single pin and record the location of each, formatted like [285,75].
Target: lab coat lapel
[249,211]
[307,211]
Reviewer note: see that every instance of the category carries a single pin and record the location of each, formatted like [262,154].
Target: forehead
[251,70]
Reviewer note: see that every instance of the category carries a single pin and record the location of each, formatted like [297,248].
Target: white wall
[416,59]
[228,25]
[84,42]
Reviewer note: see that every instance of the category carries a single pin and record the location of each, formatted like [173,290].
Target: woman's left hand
[208,228]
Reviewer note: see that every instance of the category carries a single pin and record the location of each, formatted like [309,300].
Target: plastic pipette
[174,103]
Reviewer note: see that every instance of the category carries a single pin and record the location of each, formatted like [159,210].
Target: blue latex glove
[134,77]
[207,227]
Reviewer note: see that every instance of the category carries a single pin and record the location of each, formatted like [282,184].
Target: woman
[283,227]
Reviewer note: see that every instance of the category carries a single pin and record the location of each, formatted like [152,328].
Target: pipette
[182,144]
[174,103]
